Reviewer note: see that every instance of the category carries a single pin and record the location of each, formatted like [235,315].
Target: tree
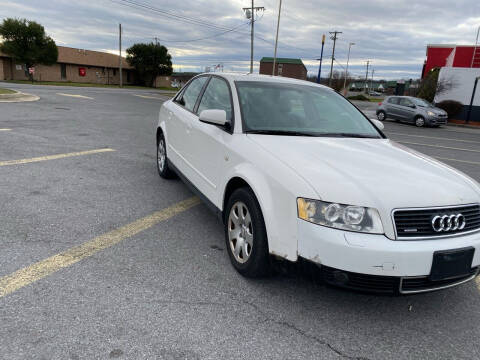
[26,42]
[149,60]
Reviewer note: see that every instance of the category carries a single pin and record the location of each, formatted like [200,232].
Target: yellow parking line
[438,146]
[75,96]
[148,97]
[434,137]
[5,129]
[41,269]
[53,157]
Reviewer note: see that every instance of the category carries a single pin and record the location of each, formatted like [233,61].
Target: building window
[280,69]
[129,77]
[114,72]
[63,71]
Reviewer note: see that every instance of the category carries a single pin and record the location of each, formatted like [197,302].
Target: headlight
[345,217]
[430,113]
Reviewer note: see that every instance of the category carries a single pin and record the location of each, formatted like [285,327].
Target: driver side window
[216,96]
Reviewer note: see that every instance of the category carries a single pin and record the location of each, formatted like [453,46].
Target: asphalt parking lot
[100,258]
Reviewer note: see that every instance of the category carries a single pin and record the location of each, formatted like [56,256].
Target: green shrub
[452,107]
[359,97]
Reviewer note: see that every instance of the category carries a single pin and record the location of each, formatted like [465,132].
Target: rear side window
[405,102]
[216,96]
[190,95]
[393,100]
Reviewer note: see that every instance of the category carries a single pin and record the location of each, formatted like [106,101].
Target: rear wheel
[162,163]
[245,234]
[419,121]
[381,115]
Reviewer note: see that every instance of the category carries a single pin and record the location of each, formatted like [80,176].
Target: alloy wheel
[240,232]
[161,156]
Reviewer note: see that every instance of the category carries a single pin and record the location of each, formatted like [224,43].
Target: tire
[419,121]
[162,161]
[246,235]
[381,115]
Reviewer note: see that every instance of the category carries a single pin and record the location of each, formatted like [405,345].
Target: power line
[168,14]
[208,37]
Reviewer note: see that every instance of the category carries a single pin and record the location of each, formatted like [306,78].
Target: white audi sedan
[295,171]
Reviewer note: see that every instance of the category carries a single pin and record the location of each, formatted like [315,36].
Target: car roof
[265,78]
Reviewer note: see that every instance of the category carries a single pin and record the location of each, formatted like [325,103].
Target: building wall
[93,74]
[296,71]
[437,57]
[462,80]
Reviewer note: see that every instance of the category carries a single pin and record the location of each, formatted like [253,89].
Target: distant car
[375,93]
[412,110]
[297,172]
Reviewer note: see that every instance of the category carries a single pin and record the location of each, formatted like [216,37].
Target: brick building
[73,65]
[292,68]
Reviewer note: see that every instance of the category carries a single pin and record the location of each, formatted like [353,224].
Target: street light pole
[346,69]
[471,100]
[321,58]
[276,38]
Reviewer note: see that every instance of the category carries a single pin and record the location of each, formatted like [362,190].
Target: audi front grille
[413,224]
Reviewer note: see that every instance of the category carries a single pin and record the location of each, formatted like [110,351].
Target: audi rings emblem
[445,223]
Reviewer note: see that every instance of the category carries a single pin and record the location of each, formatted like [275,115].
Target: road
[103,259]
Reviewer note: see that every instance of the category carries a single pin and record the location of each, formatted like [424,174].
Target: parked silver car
[412,110]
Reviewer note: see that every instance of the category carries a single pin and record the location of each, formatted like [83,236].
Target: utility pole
[321,59]
[346,69]
[250,12]
[120,52]
[371,79]
[334,38]
[366,78]
[276,38]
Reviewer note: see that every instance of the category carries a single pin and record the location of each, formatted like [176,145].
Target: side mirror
[213,116]
[378,124]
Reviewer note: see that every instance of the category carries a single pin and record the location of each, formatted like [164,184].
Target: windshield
[421,102]
[302,110]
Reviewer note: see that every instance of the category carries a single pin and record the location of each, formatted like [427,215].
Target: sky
[392,34]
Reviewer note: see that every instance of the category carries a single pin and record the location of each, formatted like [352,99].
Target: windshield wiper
[280,132]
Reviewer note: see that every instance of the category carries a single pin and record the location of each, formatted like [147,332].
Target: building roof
[68,55]
[448,46]
[282,61]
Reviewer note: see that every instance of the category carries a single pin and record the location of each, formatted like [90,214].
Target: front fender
[277,199]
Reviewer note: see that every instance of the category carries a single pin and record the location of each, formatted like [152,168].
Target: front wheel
[419,121]
[246,235]
[162,164]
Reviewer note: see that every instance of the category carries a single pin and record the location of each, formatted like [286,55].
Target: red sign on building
[82,71]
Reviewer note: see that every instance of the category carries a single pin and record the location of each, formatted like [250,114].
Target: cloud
[391,34]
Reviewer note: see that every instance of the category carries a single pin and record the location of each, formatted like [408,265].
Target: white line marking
[433,137]
[462,161]
[438,146]
[75,96]
[5,129]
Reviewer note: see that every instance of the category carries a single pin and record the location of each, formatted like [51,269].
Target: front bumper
[437,120]
[374,256]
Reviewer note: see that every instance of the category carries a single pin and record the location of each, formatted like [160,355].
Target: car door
[407,109]
[391,105]
[207,141]
[180,119]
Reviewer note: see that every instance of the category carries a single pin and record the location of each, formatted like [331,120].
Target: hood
[376,173]
[437,111]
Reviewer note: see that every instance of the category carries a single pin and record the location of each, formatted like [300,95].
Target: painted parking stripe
[53,157]
[433,137]
[148,97]
[438,146]
[44,268]
[5,129]
[457,160]
[75,96]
